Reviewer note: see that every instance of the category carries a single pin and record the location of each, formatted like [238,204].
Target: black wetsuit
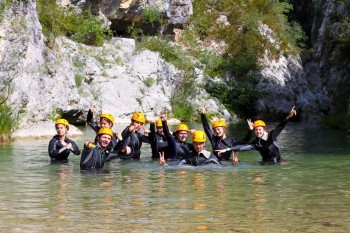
[220,144]
[132,140]
[203,158]
[158,143]
[59,152]
[93,158]
[96,128]
[268,148]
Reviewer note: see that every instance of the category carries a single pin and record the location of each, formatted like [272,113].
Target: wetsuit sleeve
[171,141]
[241,148]
[153,140]
[244,140]
[53,150]
[75,149]
[276,131]
[207,129]
[182,162]
[145,138]
[91,122]
[124,142]
[56,150]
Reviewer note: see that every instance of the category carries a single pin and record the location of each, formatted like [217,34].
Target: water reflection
[309,194]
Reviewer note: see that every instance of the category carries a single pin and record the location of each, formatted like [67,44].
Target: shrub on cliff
[59,21]
[6,121]
[245,44]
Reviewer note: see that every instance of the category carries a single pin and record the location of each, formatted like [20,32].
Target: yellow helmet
[219,123]
[108,116]
[159,123]
[62,121]
[105,131]
[259,123]
[199,136]
[182,127]
[138,116]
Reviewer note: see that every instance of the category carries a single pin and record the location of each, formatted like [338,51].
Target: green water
[308,194]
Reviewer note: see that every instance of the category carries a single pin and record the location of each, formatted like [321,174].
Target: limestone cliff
[66,80]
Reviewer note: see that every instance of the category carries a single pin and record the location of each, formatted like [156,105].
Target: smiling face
[198,146]
[219,131]
[61,130]
[104,140]
[105,123]
[259,131]
[137,124]
[182,135]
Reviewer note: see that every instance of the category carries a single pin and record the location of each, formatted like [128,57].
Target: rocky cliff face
[318,80]
[68,79]
[42,82]
[328,60]
[122,13]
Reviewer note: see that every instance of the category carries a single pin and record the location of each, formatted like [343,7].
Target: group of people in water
[166,146]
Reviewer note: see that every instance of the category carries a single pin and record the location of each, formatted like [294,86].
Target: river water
[310,193]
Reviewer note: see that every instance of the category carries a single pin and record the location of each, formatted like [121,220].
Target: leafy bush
[58,21]
[78,79]
[151,15]
[245,44]
[149,81]
[7,123]
[343,37]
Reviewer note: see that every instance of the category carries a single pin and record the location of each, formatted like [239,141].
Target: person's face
[259,131]
[61,129]
[182,135]
[104,141]
[219,131]
[198,146]
[138,125]
[160,130]
[105,123]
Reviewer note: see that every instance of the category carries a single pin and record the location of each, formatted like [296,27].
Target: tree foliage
[246,43]
[59,21]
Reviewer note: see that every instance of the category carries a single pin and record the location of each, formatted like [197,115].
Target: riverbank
[42,129]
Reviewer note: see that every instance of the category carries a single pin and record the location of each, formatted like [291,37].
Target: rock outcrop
[43,83]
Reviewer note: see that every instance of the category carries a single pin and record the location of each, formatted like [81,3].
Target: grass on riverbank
[6,122]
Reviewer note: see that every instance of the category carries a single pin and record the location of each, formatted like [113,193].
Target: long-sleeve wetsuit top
[220,144]
[183,148]
[134,141]
[266,145]
[158,143]
[92,157]
[199,159]
[173,146]
[59,152]
[96,128]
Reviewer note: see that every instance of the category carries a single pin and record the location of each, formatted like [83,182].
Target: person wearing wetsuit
[106,121]
[94,155]
[265,141]
[60,146]
[218,138]
[199,156]
[158,140]
[180,135]
[130,145]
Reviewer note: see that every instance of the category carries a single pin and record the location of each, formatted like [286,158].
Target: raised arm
[276,131]
[171,140]
[90,120]
[206,127]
